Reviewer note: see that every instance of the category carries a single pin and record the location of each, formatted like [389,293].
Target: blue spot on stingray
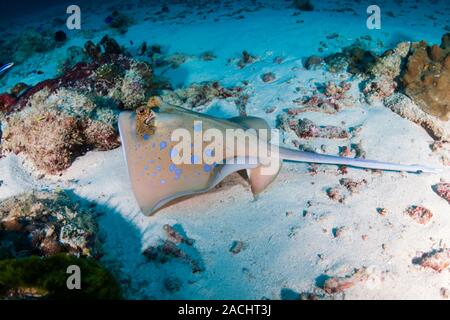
[173,153]
[153,174]
[151,161]
[146,136]
[172,167]
[194,159]
[209,152]
[153,145]
[162,145]
[206,168]
[145,168]
[162,181]
[178,172]
[198,127]
[158,168]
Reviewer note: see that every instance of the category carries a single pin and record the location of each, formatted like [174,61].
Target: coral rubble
[44,224]
[443,190]
[419,214]
[337,284]
[438,259]
[306,129]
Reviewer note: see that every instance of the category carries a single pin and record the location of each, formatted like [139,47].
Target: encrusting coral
[56,128]
[427,77]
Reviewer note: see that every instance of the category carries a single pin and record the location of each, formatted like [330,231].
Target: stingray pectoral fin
[155,179]
[261,177]
[220,173]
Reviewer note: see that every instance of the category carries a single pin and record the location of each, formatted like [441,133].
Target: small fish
[5,67]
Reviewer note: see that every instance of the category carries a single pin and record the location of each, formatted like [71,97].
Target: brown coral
[427,77]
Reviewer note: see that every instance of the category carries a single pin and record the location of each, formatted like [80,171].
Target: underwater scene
[225,150]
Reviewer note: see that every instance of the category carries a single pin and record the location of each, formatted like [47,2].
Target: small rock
[382,211]
[237,246]
[270,109]
[340,284]
[419,214]
[60,36]
[445,293]
[334,194]
[268,77]
[351,185]
[337,232]
[313,62]
[443,190]
[172,284]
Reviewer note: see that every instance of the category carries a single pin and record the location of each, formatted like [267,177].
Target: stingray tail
[302,156]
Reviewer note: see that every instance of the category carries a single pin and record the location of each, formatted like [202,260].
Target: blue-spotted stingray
[156,181]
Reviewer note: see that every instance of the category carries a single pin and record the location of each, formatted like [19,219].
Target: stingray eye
[140,111]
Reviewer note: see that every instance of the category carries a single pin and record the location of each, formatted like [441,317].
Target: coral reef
[59,119]
[406,108]
[353,59]
[427,77]
[384,72]
[44,224]
[53,137]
